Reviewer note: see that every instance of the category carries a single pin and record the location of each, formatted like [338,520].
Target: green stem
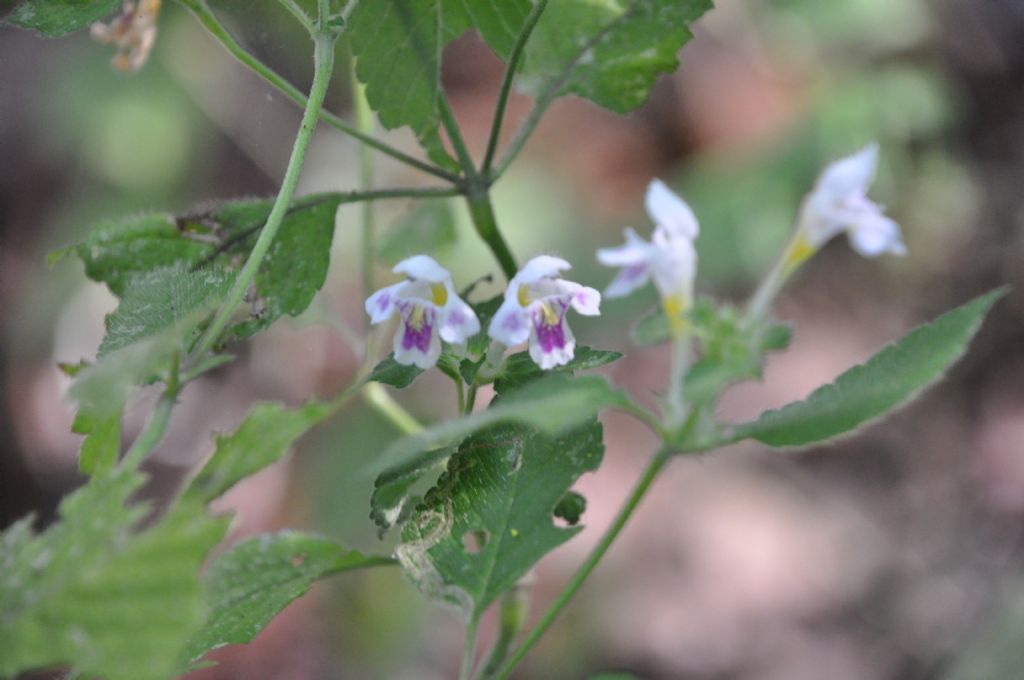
[156,428]
[643,484]
[377,398]
[510,622]
[365,123]
[506,83]
[482,213]
[323,57]
[677,378]
[553,89]
[212,24]
[470,399]
[451,126]
[299,14]
[460,396]
[469,649]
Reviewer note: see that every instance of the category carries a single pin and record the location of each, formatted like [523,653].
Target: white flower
[839,203]
[534,309]
[430,309]
[669,258]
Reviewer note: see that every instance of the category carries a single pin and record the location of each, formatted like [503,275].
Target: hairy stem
[482,213]
[323,57]
[506,83]
[156,428]
[510,621]
[212,24]
[451,126]
[639,491]
[299,14]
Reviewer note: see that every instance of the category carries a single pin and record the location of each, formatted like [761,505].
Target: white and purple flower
[669,258]
[536,302]
[430,310]
[839,203]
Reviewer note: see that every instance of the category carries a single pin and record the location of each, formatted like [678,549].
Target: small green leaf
[93,593]
[428,228]
[490,517]
[251,583]
[54,18]
[652,329]
[390,372]
[391,489]
[620,47]
[102,443]
[551,404]
[159,300]
[520,369]
[117,252]
[263,438]
[868,391]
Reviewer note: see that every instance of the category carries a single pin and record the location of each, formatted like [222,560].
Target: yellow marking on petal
[550,315]
[416,318]
[675,307]
[798,252]
[524,295]
[440,293]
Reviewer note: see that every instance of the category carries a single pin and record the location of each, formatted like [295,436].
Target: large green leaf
[117,252]
[551,404]
[519,369]
[251,583]
[886,380]
[490,517]
[57,17]
[91,593]
[619,47]
[263,438]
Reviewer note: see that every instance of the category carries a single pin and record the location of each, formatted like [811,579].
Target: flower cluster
[537,298]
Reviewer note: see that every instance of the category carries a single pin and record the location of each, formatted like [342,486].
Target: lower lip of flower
[419,328]
[550,334]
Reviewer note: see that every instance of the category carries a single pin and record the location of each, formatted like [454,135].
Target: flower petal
[850,175]
[586,301]
[875,234]
[458,321]
[542,266]
[551,345]
[417,343]
[422,267]
[633,252]
[669,210]
[381,305]
[510,325]
[627,280]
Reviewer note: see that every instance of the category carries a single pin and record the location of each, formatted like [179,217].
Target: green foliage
[262,439]
[390,372]
[551,404]
[571,507]
[117,252]
[869,390]
[652,329]
[58,17]
[159,300]
[519,368]
[489,519]
[620,46]
[251,583]
[92,593]
[102,442]
[428,228]
[390,501]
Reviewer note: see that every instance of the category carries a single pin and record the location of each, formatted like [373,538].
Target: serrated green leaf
[391,489]
[868,391]
[116,252]
[102,443]
[159,300]
[91,593]
[57,17]
[263,438]
[551,404]
[251,583]
[429,227]
[620,47]
[490,517]
[520,369]
[390,372]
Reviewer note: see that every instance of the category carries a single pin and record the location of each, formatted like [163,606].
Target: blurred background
[896,554]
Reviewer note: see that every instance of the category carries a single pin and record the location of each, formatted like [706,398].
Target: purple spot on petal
[511,322]
[550,337]
[383,301]
[418,336]
[456,318]
[634,272]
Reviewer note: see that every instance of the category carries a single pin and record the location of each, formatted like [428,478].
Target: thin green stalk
[510,621]
[451,126]
[365,123]
[506,83]
[212,24]
[482,213]
[470,399]
[156,428]
[553,89]
[299,14]
[460,396]
[323,57]
[469,649]
[677,378]
[378,399]
[639,491]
